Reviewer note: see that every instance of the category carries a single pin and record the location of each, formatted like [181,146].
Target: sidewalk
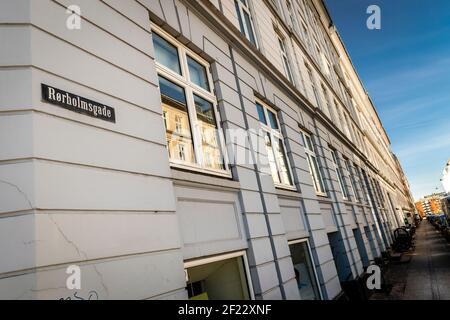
[427,275]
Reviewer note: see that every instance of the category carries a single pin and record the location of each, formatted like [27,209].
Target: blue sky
[405,67]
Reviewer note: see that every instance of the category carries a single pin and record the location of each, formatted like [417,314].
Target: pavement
[427,275]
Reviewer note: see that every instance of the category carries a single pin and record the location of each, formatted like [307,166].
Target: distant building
[430,204]
[446,178]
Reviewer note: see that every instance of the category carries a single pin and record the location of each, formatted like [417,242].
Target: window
[343,121]
[318,52]
[245,20]
[305,33]
[302,7]
[327,101]
[352,179]
[304,271]
[194,137]
[276,5]
[290,13]
[284,57]
[311,79]
[276,152]
[326,65]
[313,164]
[339,174]
[165,119]
[197,73]
[178,128]
[347,127]
[181,153]
[261,114]
[218,278]
[166,54]
[355,135]
[380,191]
[178,124]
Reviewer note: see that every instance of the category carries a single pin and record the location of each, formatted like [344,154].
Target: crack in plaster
[80,252]
[19,190]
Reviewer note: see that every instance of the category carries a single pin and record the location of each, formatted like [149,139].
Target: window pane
[287,69]
[271,156]
[282,161]
[304,272]
[352,179]
[307,142]
[238,11]
[178,129]
[261,115]
[197,73]
[318,175]
[341,182]
[280,42]
[313,176]
[212,153]
[166,54]
[273,120]
[339,174]
[220,280]
[314,169]
[251,35]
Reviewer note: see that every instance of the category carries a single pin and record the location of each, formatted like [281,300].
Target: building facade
[446,177]
[182,149]
[431,204]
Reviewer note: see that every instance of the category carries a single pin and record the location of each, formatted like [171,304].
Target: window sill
[285,187]
[195,178]
[322,195]
[196,169]
[283,192]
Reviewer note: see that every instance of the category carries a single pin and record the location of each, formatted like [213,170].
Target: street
[427,274]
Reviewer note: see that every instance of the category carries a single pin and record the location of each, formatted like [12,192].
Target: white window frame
[305,32]
[190,89]
[276,135]
[318,51]
[301,4]
[326,65]
[285,58]
[165,119]
[352,179]
[328,110]
[181,151]
[313,84]
[349,128]
[339,174]
[297,241]
[227,256]
[312,169]
[290,12]
[246,8]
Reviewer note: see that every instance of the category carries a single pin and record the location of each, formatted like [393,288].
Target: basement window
[304,270]
[218,278]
